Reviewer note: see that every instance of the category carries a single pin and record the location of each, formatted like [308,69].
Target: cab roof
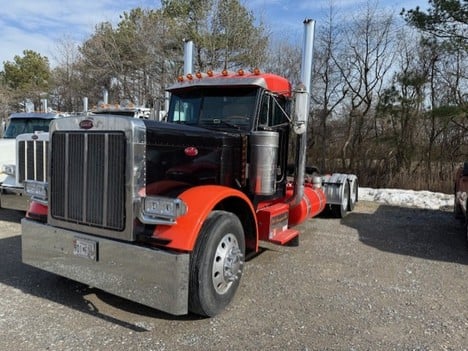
[268,81]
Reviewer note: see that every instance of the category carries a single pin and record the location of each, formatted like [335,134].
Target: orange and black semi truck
[164,213]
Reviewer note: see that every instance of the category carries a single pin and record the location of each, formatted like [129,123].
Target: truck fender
[200,201]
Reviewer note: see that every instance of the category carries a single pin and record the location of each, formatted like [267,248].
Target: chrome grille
[32,160]
[87,179]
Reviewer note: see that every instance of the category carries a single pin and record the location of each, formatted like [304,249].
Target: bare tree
[283,58]
[66,78]
[328,90]
[364,63]
[400,106]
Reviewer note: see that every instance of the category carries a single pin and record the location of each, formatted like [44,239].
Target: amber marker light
[210,73]
[240,72]
[189,76]
[180,79]
[224,72]
[256,71]
[198,75]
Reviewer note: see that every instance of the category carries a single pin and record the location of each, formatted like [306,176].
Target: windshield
[214,107]
[26,125]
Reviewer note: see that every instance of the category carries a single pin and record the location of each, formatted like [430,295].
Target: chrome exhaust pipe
[302,107]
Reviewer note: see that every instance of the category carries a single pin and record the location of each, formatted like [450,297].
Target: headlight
[161,210]
[36,190]
[9,169]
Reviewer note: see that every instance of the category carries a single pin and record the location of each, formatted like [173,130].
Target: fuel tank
[263,162]
[313,203]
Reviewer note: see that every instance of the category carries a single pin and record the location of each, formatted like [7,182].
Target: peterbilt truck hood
[178,154]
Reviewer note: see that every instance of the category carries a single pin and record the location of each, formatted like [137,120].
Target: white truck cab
[22,155]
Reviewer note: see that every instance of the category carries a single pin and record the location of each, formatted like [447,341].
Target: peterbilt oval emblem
[86,124]
[191,151]
[34,137]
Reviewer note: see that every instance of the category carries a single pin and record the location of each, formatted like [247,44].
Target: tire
[466,230]
[216,264]
[353,194]
[341,210]
[466,222]
[457,210]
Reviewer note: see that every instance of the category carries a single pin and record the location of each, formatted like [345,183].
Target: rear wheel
[466,230]
[216,264]
[353,194]
[457,210]
[341,210]
[466,222]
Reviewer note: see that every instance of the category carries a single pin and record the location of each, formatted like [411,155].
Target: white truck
[23,155]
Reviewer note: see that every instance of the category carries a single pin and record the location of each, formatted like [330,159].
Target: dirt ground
[383,278]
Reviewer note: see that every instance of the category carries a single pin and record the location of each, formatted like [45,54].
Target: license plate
[85,248]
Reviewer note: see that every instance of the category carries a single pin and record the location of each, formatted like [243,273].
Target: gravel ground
[383,278]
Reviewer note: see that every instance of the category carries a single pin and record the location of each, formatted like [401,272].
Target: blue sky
[40,24]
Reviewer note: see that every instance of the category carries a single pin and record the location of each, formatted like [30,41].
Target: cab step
[285,236]
[273,224]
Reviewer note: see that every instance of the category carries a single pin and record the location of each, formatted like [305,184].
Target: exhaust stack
[301,112]
[85,104]
[188,56]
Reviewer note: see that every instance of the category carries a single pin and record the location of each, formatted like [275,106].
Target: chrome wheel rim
[345,199]
[227,264]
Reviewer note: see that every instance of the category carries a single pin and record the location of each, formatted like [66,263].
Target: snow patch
[407,198]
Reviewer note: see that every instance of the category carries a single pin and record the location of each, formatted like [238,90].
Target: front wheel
[216,264]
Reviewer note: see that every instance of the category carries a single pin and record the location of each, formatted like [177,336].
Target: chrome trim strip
[85,183]
[105,192]
[45,158]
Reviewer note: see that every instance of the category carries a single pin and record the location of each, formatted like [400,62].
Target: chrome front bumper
[13,198]
[154,278]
